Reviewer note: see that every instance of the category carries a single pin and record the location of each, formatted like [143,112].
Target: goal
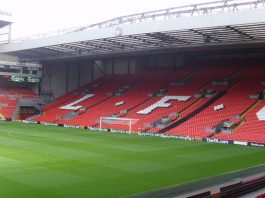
[113,120]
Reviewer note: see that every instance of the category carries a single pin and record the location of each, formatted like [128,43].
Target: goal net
[121,121]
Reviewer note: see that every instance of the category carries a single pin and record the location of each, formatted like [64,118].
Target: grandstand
[194,72]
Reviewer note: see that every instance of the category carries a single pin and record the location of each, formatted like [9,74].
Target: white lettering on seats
[261,114]
[163,103]
[219,107]
[71,105]
[119,103]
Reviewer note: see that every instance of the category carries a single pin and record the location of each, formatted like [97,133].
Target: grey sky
[36,16]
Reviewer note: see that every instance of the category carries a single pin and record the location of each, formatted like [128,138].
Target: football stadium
[158,104]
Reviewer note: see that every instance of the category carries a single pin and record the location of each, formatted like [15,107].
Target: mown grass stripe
[60,162]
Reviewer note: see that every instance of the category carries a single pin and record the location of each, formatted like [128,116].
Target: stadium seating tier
[208,84]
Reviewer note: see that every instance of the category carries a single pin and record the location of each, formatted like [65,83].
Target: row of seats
[236,101]
[135,96]
[102,93]
[146,89]
[9,97]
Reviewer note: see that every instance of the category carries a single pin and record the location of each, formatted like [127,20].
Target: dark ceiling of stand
[247,34]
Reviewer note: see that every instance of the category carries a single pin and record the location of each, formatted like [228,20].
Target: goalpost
[113,120]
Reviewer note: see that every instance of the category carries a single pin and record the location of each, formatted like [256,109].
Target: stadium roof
[5,18]
[228,23]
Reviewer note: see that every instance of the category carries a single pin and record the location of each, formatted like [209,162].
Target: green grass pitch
[39,161]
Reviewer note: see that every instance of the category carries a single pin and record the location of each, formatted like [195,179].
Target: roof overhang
[232,29]
[6,18]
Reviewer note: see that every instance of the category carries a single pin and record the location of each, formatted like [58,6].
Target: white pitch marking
[10,134]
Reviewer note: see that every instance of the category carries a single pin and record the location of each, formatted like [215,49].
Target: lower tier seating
[215,92]
[9,97]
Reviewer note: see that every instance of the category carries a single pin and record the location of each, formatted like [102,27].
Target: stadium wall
[121,66]
[61,77]
[86,71]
